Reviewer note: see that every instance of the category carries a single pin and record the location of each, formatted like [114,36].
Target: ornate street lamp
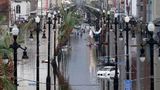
[15,46]
[159,55]
[48,79]
[121,30]
[108,17]
[151,42]
[127,29]
[59,17]
[116,58]
[54,58]
[44,31]
[5,58]
[37,20]
[126,19]
[31,36]
[142,54]
[55,19]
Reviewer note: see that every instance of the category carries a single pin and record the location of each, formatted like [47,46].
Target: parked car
[103,61]
[104,73]
[107,72]
[112,72]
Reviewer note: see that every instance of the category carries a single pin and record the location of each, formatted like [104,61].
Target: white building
[45,5]
[20,10]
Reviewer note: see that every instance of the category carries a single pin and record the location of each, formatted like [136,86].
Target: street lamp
[108,63]
[103,17]
[59,17]
[151,42]
[54,58]
[5,58]
[54,18]
[31,36]
[142,55]
[133,24]
[48,79]
[37,20]
[116,58]
[159,55]
[108,17]
[44,30]
[121,27]
[15,46]
[120,36]
[127,29]
[126,19]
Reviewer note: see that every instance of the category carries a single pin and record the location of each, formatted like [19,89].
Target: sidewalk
[27,68]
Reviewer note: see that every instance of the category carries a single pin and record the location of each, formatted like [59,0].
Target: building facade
[20,10]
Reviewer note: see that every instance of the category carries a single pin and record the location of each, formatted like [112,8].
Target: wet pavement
[82,65]
[27,68]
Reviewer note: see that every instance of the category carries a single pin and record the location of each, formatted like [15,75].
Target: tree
[70,19]
[6,70]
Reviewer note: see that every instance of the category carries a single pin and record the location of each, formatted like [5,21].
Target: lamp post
[5,58]
[121,27]
[54,58]
[37,20]
[48,79]
[151,42]
[120,32]
[116,58]
[15,46]
[103,36]
[108,14]
[31,36]
[127,47]
[44,30]
[59,17]
[108,63]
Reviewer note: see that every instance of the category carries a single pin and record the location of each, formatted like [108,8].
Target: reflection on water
[82,66]
[92,65]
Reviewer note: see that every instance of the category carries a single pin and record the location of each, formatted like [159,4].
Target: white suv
[107,72]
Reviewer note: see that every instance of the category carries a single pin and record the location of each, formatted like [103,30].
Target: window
[18,9]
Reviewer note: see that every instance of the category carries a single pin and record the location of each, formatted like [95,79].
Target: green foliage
[2,18]
[24,28]
[5,42]
[70,19]
[29,25]
[6,83]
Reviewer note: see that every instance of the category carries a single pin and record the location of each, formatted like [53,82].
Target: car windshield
[106,68]
[104,59]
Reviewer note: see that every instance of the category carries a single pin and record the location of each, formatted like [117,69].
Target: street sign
[127,85]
